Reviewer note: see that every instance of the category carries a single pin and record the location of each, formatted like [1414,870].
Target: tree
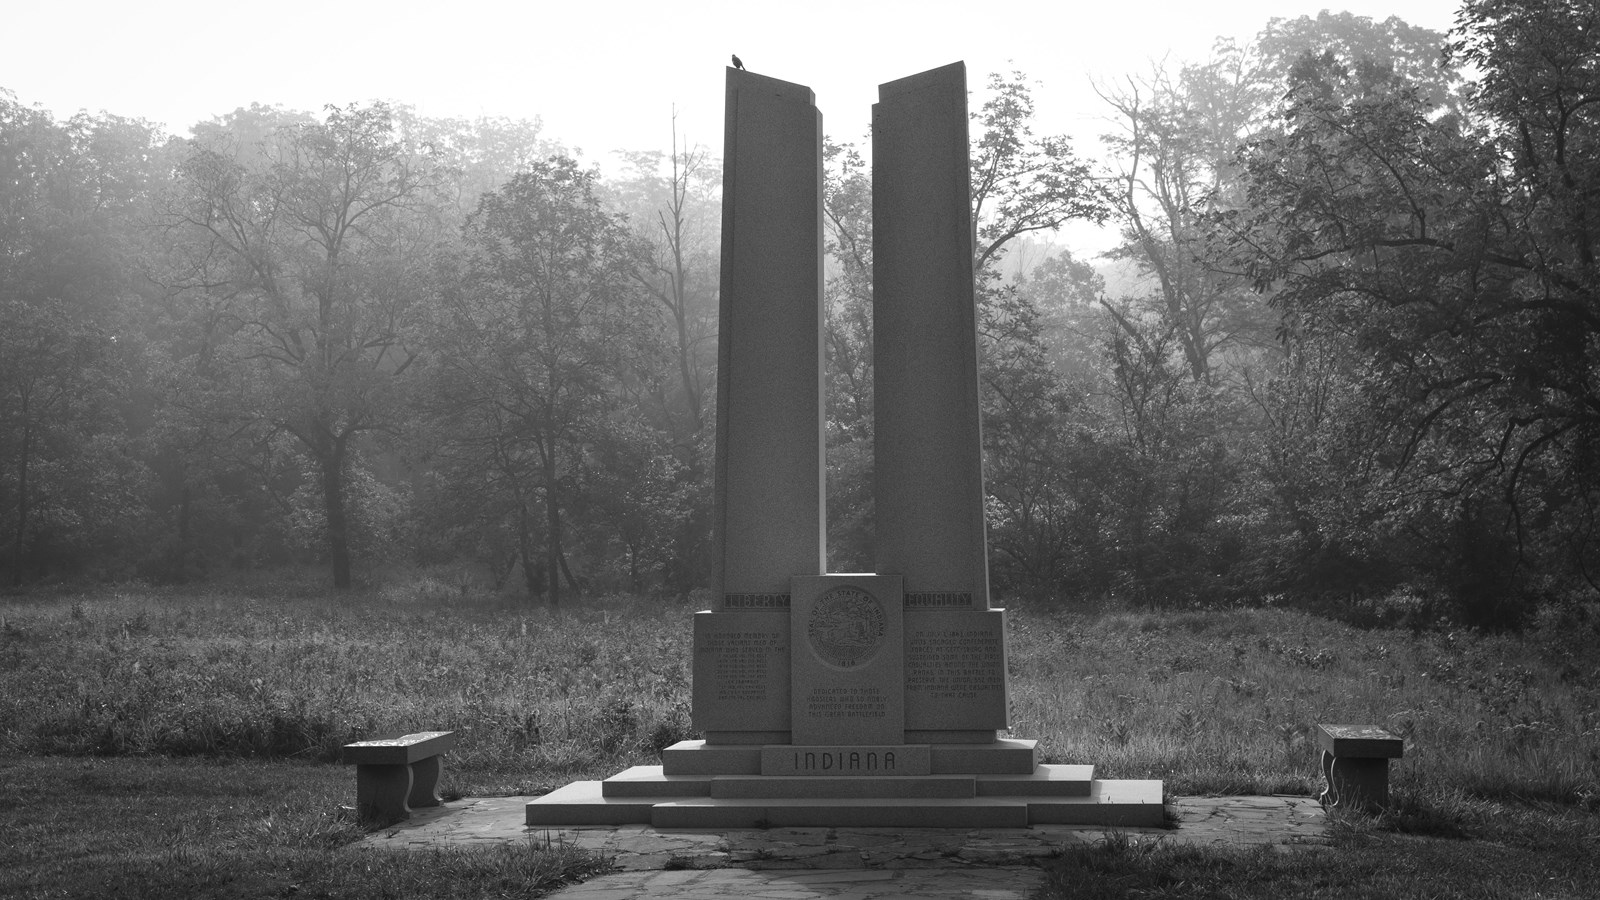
[1177,142]
[1373,51]
[1029,449]
[64,478]
[1066,293]
[479,154]
[675,198]
[1022,183]
[306,236]
[847,343]
[73,196]
[1458,266]
[673,201]
[540,332]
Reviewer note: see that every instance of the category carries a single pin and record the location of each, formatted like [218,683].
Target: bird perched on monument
[737,64]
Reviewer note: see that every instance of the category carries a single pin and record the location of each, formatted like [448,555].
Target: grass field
[185,741]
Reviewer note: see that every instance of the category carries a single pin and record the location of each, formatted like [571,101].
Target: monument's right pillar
[928,448]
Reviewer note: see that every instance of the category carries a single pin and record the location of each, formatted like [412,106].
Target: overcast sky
[603,75]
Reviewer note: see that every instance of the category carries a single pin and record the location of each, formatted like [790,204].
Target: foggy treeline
[1344,352]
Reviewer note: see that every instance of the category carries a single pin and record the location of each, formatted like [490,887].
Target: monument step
[972,812]
[1001,757]
[701,758]
[650,781]
[805,787]
[1044,781]
[1130,804]
[584,803]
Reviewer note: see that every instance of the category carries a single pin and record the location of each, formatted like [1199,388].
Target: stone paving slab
[843,863]
[854,884]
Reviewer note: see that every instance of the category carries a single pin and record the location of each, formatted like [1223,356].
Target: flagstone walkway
[844,863]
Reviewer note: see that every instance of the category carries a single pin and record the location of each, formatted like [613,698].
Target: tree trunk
[566,572]
[22,500]
[680,284]
[185,495]
[532,575]
[633,567]
[552,512]
[338,522]
[691,391]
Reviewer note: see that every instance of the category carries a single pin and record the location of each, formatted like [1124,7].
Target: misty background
[1301,313]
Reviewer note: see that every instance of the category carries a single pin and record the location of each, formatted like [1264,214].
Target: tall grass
[1224,701]
[539,696]
[1211,702]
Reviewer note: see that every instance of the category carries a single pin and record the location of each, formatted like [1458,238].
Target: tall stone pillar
[769,486]
[928,462]
[769,501]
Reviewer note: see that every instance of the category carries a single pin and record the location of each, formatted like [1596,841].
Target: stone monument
[849,699]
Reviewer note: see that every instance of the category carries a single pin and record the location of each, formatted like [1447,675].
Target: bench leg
[425,782]
[1358,783]
[382,792]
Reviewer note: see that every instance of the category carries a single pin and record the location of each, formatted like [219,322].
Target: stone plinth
[1048,795]
[861,787]
[1279,823]
[847,662]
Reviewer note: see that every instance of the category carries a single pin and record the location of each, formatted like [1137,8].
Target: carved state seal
[847,627]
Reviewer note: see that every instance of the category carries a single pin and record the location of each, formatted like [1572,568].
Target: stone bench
[393,775]
[1355,764]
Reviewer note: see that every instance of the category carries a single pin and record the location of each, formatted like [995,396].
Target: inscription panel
[867,702]
[865,759]
[741,671]
[956,670]
[847,677]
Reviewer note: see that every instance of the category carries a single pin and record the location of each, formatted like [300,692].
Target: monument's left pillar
[769,523]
